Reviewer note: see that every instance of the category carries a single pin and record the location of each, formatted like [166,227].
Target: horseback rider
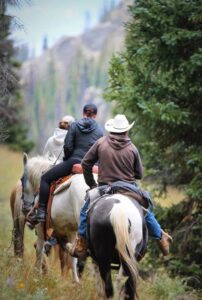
[53,149]
[80,137]
[119,160]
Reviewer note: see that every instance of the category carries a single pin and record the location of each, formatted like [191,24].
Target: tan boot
[164,243]
[78,248]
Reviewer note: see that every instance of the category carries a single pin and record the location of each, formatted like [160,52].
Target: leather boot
[78,248]
[164,243]
[39,217]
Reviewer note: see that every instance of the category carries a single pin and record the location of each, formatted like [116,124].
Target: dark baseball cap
[91,108]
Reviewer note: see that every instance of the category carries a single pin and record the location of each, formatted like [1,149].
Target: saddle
[97,193]
[60,185]
[65,182]
[135,197]
[77,169]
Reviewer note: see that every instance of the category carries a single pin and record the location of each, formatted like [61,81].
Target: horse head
[33,169]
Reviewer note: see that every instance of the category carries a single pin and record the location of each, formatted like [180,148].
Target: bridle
[23,180]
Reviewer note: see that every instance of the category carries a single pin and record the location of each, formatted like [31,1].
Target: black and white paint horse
[117,234]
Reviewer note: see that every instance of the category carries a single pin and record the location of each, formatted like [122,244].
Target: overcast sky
[54,19]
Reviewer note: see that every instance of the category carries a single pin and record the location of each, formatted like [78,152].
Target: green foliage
[162,287]
[12,126]
[185,222]
[152,80]
[158,82]
[17,133]
[166,288]
[186,249]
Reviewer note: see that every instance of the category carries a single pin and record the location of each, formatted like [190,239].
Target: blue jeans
[83,219]
[154,228]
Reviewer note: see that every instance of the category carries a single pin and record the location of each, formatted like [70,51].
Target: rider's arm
[88,162]
[138,168]
[69,141]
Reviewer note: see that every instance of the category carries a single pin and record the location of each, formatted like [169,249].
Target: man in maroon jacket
[119,160]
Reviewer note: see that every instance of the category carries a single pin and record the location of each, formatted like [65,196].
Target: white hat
[68,119]
[118,124]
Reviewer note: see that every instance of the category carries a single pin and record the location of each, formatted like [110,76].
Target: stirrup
[33,220]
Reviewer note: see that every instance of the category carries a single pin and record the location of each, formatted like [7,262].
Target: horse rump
[115,228]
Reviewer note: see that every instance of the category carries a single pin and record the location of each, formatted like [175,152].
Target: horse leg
[73,260]
[74,263]
[56,249]
[119,287]
[63,257]
[67,262]
[18,220]
[40,263]
[130,284]
[18,236]
[105,272]
[64,264]
[100,287]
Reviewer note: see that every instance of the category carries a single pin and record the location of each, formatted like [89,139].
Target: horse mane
[36,166]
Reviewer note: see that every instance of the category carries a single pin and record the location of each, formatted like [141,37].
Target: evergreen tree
[12,126]
[158,81]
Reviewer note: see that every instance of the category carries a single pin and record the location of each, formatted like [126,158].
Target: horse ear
[25,158]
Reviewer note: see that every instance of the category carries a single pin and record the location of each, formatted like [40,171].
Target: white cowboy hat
[118,124]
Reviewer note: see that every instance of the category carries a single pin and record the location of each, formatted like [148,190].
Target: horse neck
[35,169]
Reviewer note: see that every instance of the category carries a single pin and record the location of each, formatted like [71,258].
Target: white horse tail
[120,224]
